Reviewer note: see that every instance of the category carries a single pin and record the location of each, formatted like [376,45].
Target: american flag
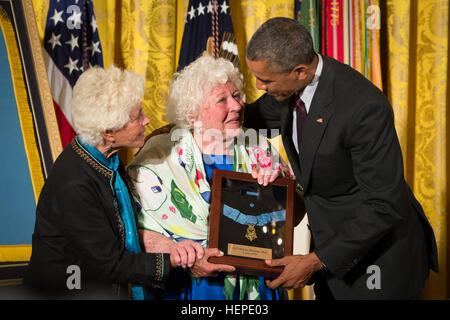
[208,27]
[72,45]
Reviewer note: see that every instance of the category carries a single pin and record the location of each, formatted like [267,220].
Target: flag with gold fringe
[71,45]
[208,28]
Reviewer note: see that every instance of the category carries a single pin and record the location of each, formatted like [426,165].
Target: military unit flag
[349,31]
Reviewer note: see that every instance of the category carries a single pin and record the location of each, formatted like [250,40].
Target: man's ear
[300,71]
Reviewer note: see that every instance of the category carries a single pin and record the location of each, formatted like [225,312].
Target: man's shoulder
[267,103]
[347,80]
[264,99]
[265,113]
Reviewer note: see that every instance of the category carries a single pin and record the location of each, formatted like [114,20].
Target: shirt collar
[308,93]
[318,69]
[112,162]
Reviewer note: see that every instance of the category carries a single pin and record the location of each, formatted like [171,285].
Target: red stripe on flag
[65,129]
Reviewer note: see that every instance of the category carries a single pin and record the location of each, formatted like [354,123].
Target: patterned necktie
[301,118]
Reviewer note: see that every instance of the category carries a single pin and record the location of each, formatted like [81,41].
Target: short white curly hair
[102,100]
[190,87]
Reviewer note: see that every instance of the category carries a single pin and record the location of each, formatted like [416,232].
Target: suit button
[299,187]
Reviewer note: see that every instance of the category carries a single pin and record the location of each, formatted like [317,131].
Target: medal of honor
[252,221]
[251,232]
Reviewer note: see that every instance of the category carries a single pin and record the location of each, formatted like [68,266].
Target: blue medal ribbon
[259,220]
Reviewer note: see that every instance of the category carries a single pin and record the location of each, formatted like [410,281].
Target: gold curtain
[145,36]
[418,88]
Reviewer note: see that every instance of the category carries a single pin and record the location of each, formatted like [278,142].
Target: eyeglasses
[140,116]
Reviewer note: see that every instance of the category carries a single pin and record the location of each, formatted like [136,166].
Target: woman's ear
[108,136]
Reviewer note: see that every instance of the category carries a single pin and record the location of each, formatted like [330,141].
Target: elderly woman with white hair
[171,180]
[85,241]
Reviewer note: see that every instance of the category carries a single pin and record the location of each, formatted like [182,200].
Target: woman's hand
[185,253]
[265,175]
[202,268]
[182,254]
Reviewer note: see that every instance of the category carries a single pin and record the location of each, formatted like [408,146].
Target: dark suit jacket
[78,222]
[361,211]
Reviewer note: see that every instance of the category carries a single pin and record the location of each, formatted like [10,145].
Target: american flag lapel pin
[319,120]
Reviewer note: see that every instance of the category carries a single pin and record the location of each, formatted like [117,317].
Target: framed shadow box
[251,223]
